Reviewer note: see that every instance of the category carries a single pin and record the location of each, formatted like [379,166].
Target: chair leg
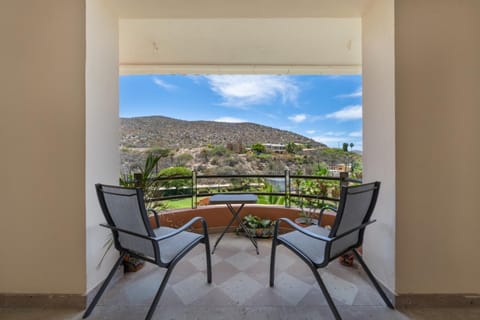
[374,281]
[209,260]
[272,262]
[326,293]
[103,287]
[154,304]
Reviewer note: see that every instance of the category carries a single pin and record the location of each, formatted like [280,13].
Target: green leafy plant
[143,178]
[270,199]
[259,227]
[175,186]
[315,191]
[258,148]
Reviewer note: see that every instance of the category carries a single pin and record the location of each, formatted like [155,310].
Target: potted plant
[259,227]
[311,201]
[308,212]
[306,217]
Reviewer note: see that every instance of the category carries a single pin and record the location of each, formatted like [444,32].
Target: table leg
[241,225]
[229,224]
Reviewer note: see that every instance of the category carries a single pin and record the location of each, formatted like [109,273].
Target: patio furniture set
[126,216]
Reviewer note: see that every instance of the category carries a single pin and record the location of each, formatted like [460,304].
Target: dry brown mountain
[158,131]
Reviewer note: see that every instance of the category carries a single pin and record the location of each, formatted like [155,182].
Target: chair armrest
[183,228]
[155,213]
[166,236]
[300,229]
[329,208]
[320,215]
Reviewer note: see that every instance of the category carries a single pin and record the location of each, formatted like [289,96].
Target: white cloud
[229,120]
[311,131]
[358,93]
[347,113]
[164,85]
[246,90]
[335,133]
[356,134]
[329,140]
[298,118]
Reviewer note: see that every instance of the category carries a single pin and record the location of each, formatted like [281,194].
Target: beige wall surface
[140,9]
[102,129]
[437,146]
[379,135]
[325,42]
[42,138]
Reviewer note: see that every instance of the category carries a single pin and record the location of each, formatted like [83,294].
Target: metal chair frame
[155,243]
[329,241]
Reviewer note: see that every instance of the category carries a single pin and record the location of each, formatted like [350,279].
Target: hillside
[219,148]
[163,132]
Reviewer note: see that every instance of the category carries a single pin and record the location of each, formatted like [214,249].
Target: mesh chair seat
[171,247]
[353,215]
[126,215]
[313,249]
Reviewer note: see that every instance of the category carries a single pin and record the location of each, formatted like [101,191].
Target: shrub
[258,148]
[183,159]
[177,184]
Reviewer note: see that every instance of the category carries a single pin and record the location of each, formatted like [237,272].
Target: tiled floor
[240,291]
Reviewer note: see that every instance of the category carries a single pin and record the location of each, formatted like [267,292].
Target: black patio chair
[318,246]
[124,210]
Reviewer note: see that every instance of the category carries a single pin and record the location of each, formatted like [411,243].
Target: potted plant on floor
[259,227]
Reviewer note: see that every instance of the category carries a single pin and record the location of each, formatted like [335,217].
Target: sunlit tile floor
[240,290]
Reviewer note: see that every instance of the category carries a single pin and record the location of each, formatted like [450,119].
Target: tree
[345,147]
[351,146]
[291,147]
[175,186]
[258,148]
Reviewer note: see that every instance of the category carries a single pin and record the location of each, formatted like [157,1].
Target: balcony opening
[242,133]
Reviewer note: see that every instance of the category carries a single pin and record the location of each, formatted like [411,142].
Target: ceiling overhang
[212,9]
[213,36]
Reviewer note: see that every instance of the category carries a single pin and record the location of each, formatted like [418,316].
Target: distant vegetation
[227,149]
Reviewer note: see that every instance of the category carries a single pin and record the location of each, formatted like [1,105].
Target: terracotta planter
[348,259]
[306,222]
[132,264]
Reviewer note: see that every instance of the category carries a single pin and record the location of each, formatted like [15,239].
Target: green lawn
[179,203]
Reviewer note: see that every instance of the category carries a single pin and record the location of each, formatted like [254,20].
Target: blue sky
[325,108]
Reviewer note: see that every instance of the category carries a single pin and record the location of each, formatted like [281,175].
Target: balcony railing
[291,187]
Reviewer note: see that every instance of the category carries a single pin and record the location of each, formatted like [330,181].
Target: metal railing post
[194,189]
[137,179]
[287,188]
[343,179]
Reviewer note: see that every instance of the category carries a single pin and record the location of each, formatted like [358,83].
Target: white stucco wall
[102,128]
[379,135]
